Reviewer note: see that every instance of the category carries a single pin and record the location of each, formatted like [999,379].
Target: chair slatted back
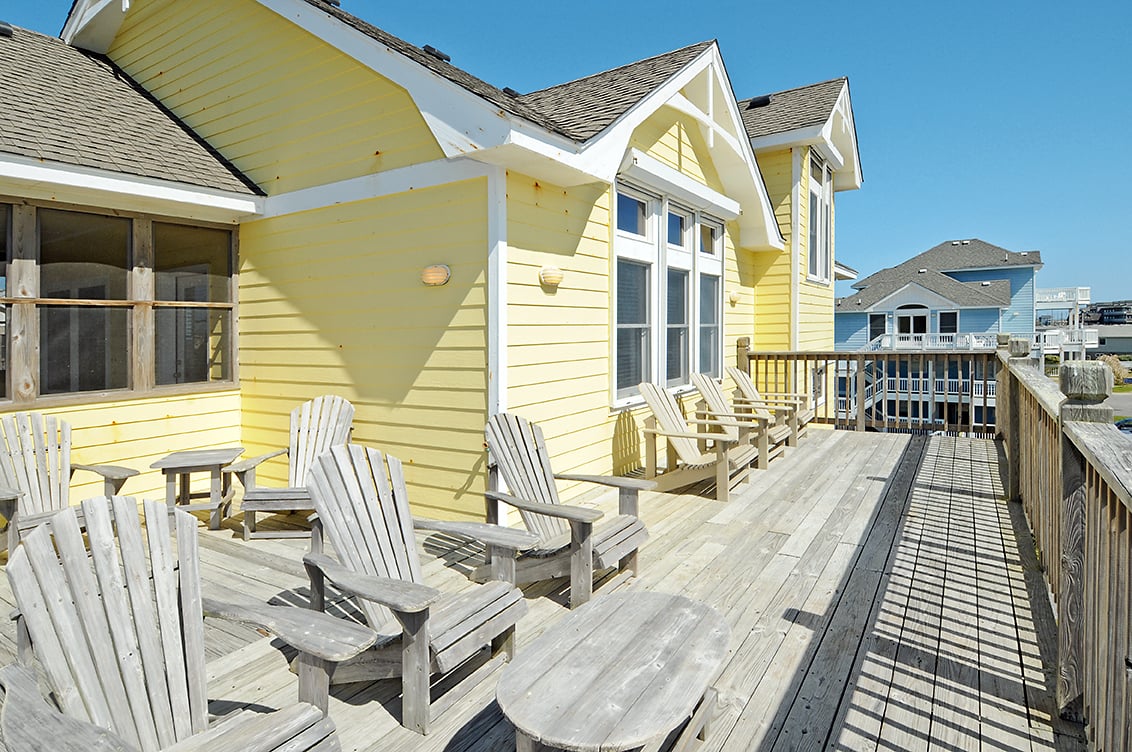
[316,426]
[670,418]
[119,633]
[365,511]
[750,392]
[35,457]
[717,404]
[519,451]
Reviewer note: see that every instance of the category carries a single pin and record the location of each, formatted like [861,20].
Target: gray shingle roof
[587,106]
[578,110]
[61,104]
[949,256]
[792,109]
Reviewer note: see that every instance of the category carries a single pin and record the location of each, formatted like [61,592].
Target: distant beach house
[215,210]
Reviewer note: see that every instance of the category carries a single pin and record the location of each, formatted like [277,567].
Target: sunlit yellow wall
[815,299]
[136,433]
[287,109]
[772,269]
[331,302]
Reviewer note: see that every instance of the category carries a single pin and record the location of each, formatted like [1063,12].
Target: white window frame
[654,250]
[939,322]
[820,257]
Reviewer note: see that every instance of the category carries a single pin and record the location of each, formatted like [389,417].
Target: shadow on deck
[881,594]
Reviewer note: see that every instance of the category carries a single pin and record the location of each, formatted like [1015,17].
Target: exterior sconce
[436,275]
[550,276]
[733,297]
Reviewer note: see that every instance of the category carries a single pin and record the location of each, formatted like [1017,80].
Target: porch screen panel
[83,257]
[192,309]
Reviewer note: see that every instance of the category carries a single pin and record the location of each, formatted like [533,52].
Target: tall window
[118,303]
[5,309]
[877,325]
[669,292]
[821,221]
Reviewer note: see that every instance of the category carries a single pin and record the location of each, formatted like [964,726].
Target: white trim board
[53,181]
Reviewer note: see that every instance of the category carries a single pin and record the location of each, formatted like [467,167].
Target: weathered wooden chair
[771,428]
[746,393]
[316,426]
[119,635]
[364,509]
[688,458]
[36,470]
[572,541]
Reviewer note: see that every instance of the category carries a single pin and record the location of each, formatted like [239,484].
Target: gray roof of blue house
[928,270]
[61,104]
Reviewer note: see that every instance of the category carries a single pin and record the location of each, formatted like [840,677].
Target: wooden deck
[880,594]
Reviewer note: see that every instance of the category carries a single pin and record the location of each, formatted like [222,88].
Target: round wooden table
[624,670]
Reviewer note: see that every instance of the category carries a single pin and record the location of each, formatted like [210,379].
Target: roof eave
[56,181]
[92,24]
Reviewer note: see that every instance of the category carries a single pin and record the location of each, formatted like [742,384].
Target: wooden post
[743,354]
[1019,350]
[859,393]
[1086,386]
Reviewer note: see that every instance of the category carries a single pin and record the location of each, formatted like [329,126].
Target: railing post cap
[1019,347]
[1003,340]
[1086,381]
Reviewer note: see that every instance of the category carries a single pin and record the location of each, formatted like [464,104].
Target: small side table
[181,465]
[622,672]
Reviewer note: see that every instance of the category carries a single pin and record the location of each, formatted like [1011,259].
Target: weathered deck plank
[877,589]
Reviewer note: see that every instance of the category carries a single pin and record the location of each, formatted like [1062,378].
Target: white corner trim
[62,182]
[652,172]
[497,291]
[93,24]
[795,243]
[400,180]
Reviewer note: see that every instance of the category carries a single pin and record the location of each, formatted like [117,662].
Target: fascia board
[93,24]
[807,136]
[929,298]
[32,178]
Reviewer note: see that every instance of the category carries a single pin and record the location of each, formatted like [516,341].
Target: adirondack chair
[572,541]
[689,460]
[364,510]
[36,470]
[746,393]
[771,428]
[316,426]
[119,635]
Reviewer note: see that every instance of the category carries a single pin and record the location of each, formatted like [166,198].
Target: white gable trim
[32,178]
[915,294]
[93,24]
[691,193]
[400,180]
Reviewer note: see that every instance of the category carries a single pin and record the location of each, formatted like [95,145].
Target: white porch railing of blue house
[1072,471]
[923,390]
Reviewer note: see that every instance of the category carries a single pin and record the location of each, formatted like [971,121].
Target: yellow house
[630,225]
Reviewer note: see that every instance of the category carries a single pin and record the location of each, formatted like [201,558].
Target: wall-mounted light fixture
[550,276]
[733,296]
[436,275]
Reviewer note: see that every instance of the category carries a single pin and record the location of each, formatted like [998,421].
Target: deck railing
[903,391]
[1072,470]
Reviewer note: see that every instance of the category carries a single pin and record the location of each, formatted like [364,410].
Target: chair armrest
[637,484]
[406,597]
[113,472]
[29,723]
[242,466]
[313,632]
[563,511]
[689,435]
[492,535]
[9,494]
[737,416]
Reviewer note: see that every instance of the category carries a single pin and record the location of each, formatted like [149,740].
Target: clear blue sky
[1005,121]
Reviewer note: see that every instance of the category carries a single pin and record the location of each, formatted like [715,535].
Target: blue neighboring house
[961,293]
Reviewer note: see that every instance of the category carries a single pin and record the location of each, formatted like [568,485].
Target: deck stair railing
[1072,471]
[905,390]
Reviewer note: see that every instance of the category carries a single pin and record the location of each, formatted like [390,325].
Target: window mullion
[142,293]
[23,282]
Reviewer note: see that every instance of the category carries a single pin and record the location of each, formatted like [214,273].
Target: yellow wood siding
[286,108]
[331,302]
[815,299]
[771,270]
[136,433]
[676,140]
